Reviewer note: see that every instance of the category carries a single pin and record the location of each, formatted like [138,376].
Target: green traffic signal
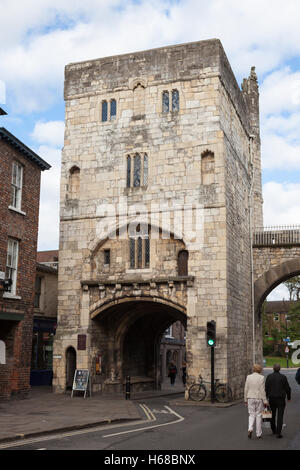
[211,342]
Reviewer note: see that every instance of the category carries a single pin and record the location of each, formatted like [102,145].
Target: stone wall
[198,157]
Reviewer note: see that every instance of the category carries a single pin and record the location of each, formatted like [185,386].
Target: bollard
[127,388]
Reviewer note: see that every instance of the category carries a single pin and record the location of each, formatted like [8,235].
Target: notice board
[81,381]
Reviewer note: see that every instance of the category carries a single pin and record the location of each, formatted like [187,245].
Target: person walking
[277,389]
[255,398]
[183,368]
[172,373]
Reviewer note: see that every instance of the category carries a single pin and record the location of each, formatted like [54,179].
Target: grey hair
[276,367]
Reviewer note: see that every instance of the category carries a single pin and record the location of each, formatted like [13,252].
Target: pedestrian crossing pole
[212,358]
[211,342]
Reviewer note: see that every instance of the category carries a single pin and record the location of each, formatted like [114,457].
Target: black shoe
[250,434]
[279,436]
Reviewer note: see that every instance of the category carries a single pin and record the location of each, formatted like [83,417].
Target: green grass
[271,360]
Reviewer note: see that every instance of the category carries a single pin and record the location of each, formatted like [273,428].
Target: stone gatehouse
[160,190]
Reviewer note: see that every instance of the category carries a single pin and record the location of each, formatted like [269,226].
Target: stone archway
[272,278]
[134,328]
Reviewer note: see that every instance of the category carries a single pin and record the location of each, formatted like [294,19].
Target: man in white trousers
[255,398]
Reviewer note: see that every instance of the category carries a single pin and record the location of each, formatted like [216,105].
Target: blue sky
[43,36]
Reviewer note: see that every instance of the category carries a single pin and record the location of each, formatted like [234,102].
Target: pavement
[45,412]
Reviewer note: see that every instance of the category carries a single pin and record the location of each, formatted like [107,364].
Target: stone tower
[160,159]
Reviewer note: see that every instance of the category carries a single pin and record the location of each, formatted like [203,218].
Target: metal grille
[140,252]
[281,235]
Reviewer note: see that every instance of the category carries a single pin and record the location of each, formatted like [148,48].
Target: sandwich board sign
[82,381]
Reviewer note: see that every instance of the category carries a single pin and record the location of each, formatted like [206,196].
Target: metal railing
[277,235]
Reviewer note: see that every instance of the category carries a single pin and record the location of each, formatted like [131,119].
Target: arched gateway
[134,326]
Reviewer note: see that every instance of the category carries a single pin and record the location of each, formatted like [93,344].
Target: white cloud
[279,293]
[49,200]
[279,153]
[47,35]
[281,204]
[51,132]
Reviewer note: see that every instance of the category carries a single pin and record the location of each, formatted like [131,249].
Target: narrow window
[104,111]
[207,167]
[147,252]
[113,110]
[183,263]
[145,174]
[132,253]
[37,297]
[139,253]
[107,257]
[128,171]
[74,181]
[16,185]
[12,263]
[175,100]
[165,102]
[137,171]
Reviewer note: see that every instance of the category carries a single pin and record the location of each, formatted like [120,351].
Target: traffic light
[211,333]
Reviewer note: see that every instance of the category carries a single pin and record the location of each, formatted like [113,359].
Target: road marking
[148,413]
[150,427]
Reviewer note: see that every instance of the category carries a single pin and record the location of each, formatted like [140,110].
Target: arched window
[104,111]
[74,181]
[113,109]
[182,261]
[137,171]
[175,100]
[208,167]
[165,102]
[70,366]
[139,248]
[145,170]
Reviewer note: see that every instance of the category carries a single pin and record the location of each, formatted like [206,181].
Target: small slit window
[113,110]
[107,257]
[175,100]
[165,102]
[104,111]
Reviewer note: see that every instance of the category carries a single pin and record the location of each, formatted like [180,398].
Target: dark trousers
[172,378]
[277,406]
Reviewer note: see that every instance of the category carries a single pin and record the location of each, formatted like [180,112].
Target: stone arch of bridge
[135,327]
[272,278]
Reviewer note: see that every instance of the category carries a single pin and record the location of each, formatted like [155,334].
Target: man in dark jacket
[277,389]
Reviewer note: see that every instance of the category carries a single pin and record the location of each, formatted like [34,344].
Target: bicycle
[222,391]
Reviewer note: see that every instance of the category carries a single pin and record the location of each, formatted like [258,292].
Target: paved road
[171,427]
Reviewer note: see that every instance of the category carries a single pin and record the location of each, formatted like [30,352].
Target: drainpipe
[251,242]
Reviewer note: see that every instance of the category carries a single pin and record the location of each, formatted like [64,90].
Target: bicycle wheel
[223,393]
[197,392]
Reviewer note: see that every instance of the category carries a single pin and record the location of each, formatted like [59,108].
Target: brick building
[45,317]
[19,212]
